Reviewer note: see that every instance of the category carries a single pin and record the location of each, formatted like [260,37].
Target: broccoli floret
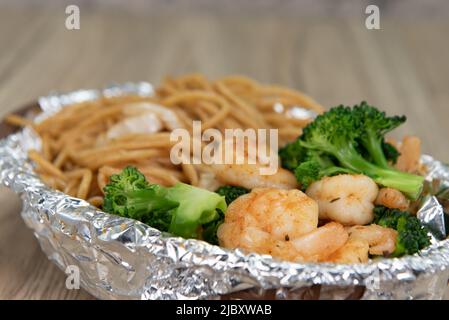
[310,171]
[292,155]
[335,133]
[196,207]
[128,194]
[412,236]
[180,210]
[315,167]
[231,192]
[210,229]
[391,153]
[308,165]
[374,125]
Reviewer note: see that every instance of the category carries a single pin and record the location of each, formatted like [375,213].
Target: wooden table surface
[402,68]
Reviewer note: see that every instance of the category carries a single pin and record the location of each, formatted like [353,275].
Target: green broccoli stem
[147,200]
[374,147]
[409,184]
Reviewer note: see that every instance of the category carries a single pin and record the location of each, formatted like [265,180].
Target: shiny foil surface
[120,258]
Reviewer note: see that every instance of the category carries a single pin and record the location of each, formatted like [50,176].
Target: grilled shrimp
[381,240]
[281,213]
[347,199]
[364,240]
[166,115]
[143,117]
[392,198]
[353,251]
[248,176]
[144,123]
[322,242]
[409,159]
[244,173]
[281,223]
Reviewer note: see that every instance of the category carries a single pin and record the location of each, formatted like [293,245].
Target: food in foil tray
[229,189]
[341,190]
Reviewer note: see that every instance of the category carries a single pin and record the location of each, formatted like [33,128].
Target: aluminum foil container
[120,258]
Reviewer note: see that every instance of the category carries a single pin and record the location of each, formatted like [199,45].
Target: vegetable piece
[292,154]
[231,192]
[180,210]
[412,236]
[196,207]
[210,229]
[128,194]
[390,151]
[315,167]
[335,134]
[374,126]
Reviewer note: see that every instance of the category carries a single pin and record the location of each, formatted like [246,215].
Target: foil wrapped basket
[120,258]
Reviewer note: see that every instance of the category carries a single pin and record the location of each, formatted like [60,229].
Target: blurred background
[321,47]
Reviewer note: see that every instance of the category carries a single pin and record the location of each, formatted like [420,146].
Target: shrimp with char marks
[347,199]
[353,251]
[248,176]
[365,240]
[392,198]
[247,170]
[381,240]
[283,223]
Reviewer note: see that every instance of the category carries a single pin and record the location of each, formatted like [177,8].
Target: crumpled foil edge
[120,258]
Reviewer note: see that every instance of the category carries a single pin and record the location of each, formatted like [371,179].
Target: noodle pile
[77,158]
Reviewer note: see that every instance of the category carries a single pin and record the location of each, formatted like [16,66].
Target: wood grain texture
[402,68]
